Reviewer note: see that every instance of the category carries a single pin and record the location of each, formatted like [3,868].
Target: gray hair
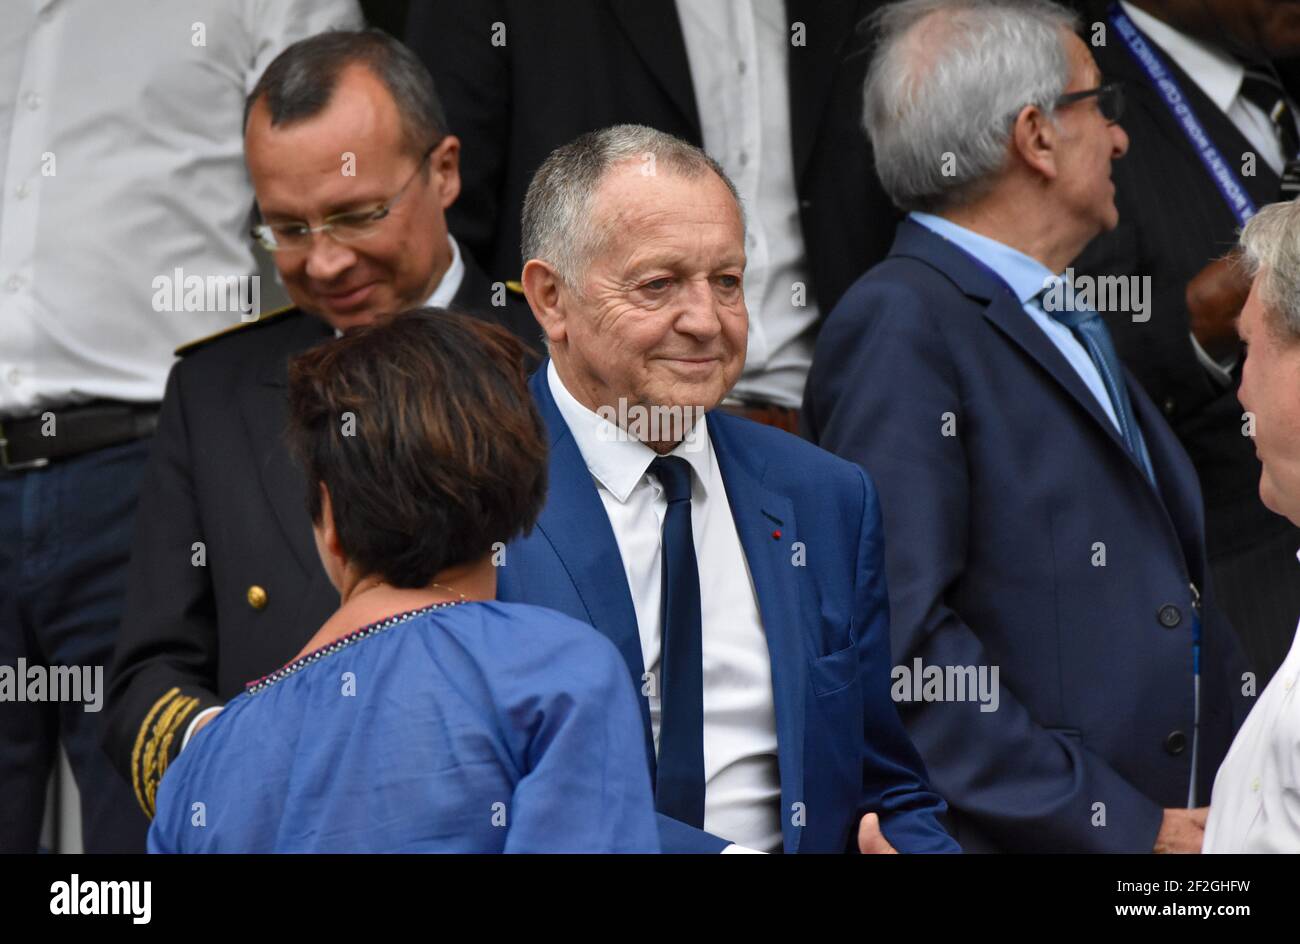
[946,83]
[557,220]
[300,81]
[1270,246]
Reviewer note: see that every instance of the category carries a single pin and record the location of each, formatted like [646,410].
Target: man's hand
[1182,830]
[871,841]
[1214,297]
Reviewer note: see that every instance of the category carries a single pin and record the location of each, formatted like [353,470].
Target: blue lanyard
[1221,172]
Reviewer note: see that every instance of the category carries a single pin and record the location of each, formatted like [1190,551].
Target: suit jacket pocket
[832,672]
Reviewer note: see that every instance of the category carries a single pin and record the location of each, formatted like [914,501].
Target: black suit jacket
[570,67]
[1173,221]
[224,583]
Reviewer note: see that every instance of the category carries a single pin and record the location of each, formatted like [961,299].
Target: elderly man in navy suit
[1043,520]
[738,569]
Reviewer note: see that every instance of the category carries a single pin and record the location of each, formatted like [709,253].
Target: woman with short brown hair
[424,715]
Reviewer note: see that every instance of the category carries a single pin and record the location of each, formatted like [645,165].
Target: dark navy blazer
[1027,539]
[842,750]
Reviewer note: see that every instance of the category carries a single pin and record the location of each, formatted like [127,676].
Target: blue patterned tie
[679,780]
[1091,331]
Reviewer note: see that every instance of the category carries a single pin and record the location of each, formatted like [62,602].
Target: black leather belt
[31,442]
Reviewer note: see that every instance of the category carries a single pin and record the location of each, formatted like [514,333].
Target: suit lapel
[1180,489]
[1006,313]
[264,406]
[759,512]
[656,32]
[574,522]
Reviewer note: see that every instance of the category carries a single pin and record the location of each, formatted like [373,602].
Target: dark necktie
[1263,88]
[679,780]
[1088,327]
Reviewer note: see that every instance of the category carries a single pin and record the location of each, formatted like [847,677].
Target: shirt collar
[1218,75]
[448,285]
[1025,274]
[615,460]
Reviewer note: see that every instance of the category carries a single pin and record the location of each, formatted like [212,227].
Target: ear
[546,296]
[328,532]
[445,161]
[1036,141]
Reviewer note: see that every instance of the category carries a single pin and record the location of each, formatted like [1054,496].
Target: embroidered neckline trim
[300,663]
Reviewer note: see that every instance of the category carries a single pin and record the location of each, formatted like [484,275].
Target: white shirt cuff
[197,718]
[734,849]
[1220,372]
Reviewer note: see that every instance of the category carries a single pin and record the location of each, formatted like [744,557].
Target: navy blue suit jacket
[842,750]
[1029,540]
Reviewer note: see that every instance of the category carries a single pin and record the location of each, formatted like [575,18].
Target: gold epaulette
[270,317]
[166,719]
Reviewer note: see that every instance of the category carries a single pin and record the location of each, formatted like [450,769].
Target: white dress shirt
[441,298]
[738,52]
[136,107]
[1255,806]
[742,783]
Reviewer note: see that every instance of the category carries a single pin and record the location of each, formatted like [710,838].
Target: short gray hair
[946,82]
[557,221]
[1270,250]
[300,81]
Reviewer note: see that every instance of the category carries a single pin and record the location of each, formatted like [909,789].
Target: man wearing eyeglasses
[1043,524]
[353,169]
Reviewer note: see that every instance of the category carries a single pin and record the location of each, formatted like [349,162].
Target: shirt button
[33,100]
[22,190]
[743,158]
[741,67]
[1169,406]
[1169,616]
[1176,742]
[14,376]
[1254,785]
[14,283]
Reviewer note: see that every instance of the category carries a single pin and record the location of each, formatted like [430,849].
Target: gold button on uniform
[256,597]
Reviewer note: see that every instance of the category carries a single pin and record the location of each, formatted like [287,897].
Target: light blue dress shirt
[1027,277]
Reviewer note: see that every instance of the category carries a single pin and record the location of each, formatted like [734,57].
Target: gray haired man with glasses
[1044,526]
[353,169]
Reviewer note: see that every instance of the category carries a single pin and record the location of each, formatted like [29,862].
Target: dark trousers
[65,536]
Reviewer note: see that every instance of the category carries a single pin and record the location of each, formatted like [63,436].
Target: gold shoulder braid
[189,347]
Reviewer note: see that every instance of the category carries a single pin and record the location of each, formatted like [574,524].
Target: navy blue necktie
[1092,333]
[679,780]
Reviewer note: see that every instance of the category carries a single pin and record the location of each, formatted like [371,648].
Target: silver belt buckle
[8,466]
